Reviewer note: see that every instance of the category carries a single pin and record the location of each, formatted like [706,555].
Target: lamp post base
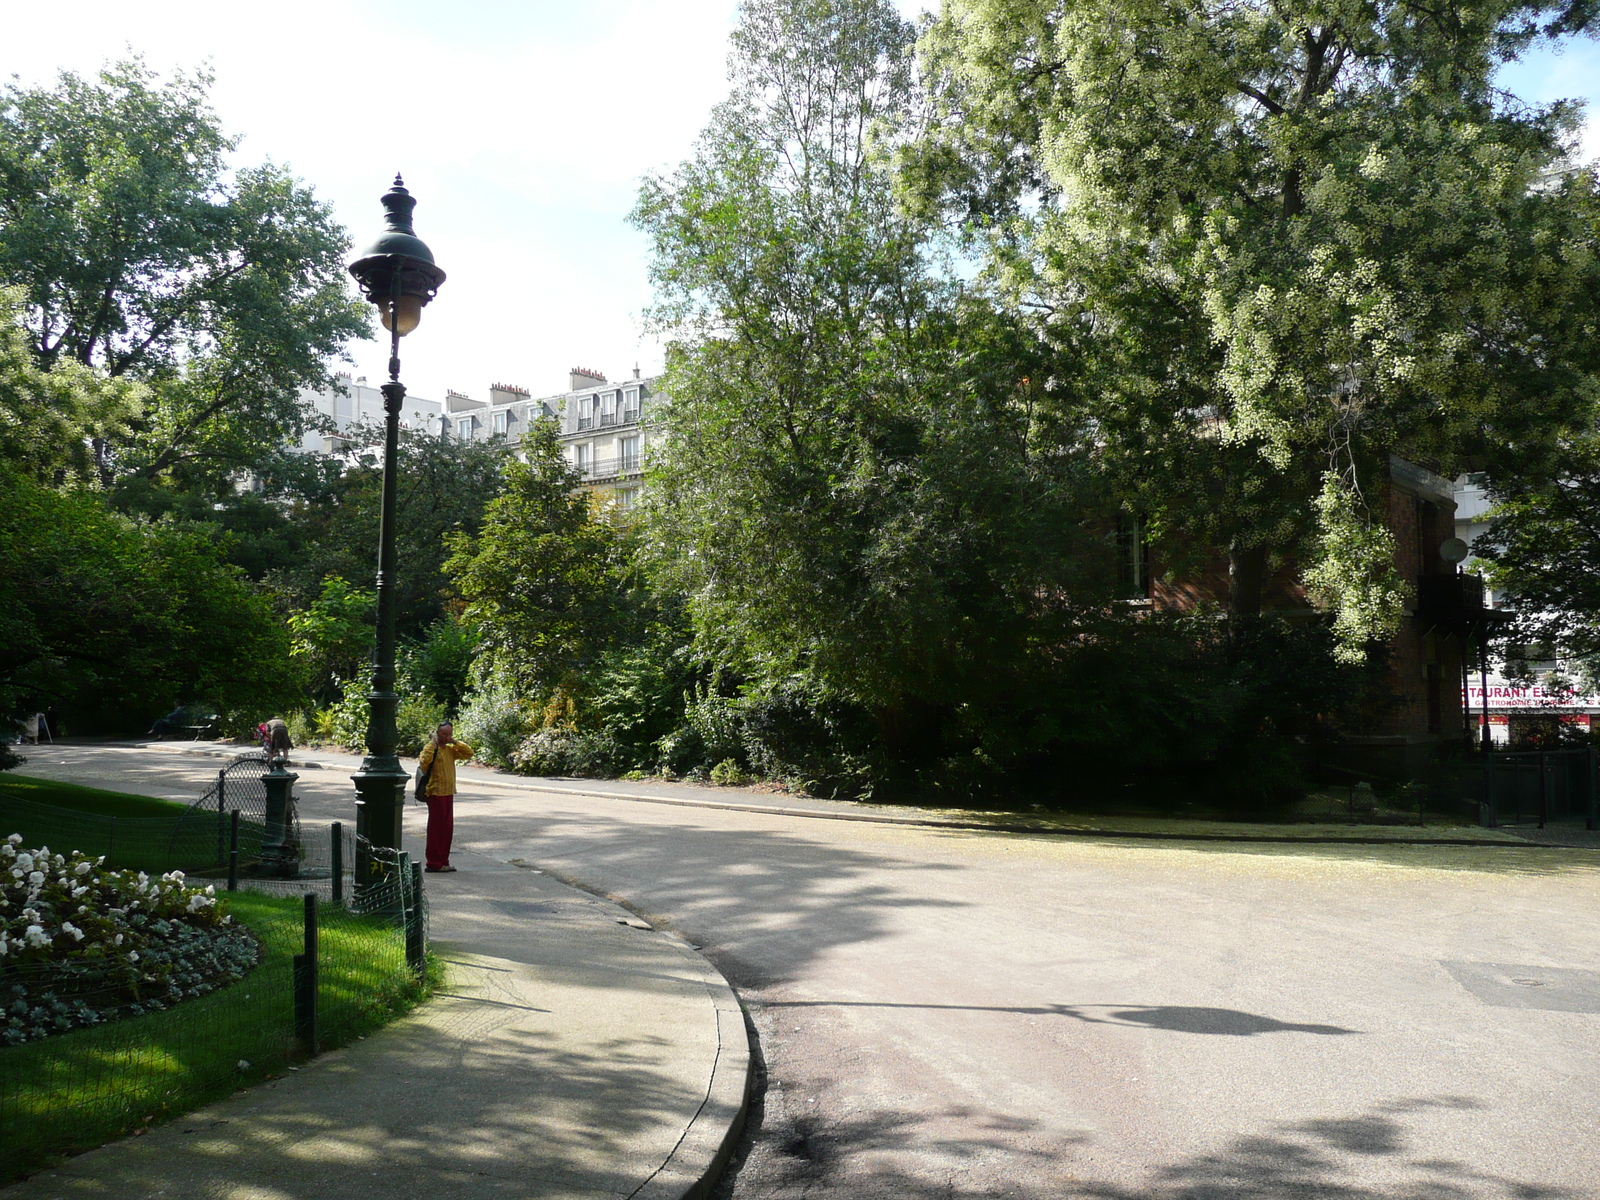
[380,800]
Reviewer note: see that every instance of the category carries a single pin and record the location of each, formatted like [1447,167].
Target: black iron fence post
[1491,816]
[222,817]
[1544,787]
[305,982]
[1594,792]
[416,925]
[233,850]
[336,857]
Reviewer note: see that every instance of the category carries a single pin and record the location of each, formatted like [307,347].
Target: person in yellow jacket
[439,758]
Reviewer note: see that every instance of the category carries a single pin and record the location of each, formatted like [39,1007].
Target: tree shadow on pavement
[1372,1155]
[432,1116]
[1176,1018]
[775,899]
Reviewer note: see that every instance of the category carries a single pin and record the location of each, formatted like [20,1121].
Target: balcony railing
[608,418]
[585,423]
[610,468]
[630,416]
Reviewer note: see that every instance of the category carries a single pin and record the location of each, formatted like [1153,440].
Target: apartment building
[601,425]
[354,402]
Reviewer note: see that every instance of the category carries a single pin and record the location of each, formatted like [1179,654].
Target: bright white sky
[522,127]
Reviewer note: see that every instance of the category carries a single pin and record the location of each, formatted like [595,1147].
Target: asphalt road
[963,1015]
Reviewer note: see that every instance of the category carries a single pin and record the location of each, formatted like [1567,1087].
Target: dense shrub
[557,751]
[494,722]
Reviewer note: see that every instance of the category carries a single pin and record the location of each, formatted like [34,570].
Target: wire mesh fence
[339,949]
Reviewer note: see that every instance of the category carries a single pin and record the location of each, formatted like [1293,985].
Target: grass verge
[84,799]
[69,1093]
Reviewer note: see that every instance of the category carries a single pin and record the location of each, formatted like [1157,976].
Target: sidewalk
[572,1052]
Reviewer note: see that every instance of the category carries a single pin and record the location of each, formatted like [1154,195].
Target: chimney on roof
[582,377]
[636,370]
[506,393]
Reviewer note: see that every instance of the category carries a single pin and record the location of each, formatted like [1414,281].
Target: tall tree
[546,579]
[1272,243]
[141,255]
[846,489]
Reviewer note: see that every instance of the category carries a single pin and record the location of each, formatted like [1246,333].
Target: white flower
[133,956]
[78,891]
[17,872]
[83,868]
[35,935]
[117,941]
[25,861]
[70,928]
[244,1065]
[210,891]
[35,877]
[14,840]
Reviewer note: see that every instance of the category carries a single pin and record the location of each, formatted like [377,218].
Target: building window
[500,422]
[582,459]
[630,405]
[1133,558]
[626,498]
[630,453]
[608,408]
[464,429]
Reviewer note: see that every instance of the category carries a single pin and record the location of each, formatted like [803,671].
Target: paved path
[945,1013]
[570,1055]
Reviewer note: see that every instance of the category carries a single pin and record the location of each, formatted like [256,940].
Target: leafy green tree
[848,487]
[112,621]
[335,634]
[50,418]
[331,509]
[1543,547]
[141,255]
[544,579]
[1270,244]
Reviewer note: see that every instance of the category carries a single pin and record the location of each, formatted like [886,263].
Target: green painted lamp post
[397,273]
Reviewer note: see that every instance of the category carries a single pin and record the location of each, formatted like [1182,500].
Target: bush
[418,717]
[494,723]
[345,723]
[556,751]
[728,773]
[80,944]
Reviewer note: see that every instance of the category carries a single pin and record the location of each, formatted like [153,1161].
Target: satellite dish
[1453,550]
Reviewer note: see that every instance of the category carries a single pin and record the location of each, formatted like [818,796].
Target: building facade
[1429,657]
[352,403]
[602,426]
[1542,688]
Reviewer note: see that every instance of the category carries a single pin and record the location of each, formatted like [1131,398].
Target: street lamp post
[397,273]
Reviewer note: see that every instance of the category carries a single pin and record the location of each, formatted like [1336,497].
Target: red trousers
[441,829]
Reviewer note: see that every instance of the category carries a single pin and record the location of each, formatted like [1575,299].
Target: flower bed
[80,944]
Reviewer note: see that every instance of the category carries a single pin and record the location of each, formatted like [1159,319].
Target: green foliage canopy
[1270,242]
[847,487]
[140,254]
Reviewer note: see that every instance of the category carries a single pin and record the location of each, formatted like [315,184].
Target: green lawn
[77,1090]
[131,831]
[83,799]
